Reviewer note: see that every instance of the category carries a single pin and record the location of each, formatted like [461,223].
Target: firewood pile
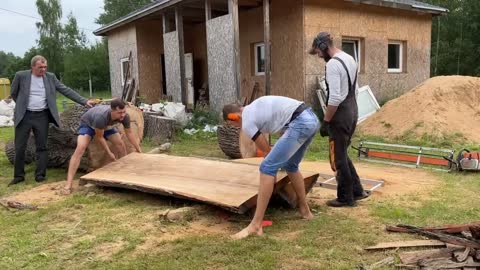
[461,249]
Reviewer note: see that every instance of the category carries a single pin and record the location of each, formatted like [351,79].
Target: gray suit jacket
[20,92]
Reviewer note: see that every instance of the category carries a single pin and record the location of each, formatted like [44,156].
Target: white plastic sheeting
[6,113]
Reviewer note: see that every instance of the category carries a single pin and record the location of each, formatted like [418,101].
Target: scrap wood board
[233,186]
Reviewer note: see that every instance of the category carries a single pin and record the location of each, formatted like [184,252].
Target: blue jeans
[290,148]
[86,130]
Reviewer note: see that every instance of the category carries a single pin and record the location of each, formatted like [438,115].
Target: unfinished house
[226,46]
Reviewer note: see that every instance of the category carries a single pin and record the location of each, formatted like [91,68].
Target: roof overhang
[154,7]
[406,5]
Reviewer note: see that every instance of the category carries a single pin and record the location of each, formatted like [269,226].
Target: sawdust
[441,107]
[41,195]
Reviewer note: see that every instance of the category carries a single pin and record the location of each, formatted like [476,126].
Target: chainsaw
[467,161]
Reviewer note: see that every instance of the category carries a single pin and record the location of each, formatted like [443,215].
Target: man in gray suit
[34,92]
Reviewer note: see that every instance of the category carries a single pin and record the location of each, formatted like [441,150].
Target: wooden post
[208,10]
[181,49]
[266,37]
[233,10]
[166,23]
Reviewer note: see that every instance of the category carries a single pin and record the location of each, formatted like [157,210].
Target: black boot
[40,179]
[362,196]
[16,181]
[337,203]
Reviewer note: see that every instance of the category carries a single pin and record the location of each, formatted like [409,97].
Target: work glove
[324,129]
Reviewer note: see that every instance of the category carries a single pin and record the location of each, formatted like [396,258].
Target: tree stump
[159,129]
[234,143]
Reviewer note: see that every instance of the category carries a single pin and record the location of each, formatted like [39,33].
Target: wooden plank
[404,244]
[208,10]
[179,25]
[233,10]
[413,257]
[449,228]
[229,185]
[450,239]
[446,263]
[266,36]
[166,23]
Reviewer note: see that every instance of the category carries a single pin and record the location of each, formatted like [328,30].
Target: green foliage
[200,118]
[88,62]
[50,31]
[114,9]
[455,39]
[73,39]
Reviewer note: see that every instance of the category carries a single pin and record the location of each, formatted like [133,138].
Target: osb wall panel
[196,43]
[120,43]
[221,75]
[286,28]
[287,43]
[172,65]
[251,32]
[150,49]
[376,25]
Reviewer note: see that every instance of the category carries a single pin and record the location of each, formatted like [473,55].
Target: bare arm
[103,142]
[133,140]
[262,144]
[331,110]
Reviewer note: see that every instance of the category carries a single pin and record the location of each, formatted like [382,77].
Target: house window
[352,47]
[395,56]
[124,69]
[259,56]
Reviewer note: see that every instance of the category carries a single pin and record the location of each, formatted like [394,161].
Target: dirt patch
[440,107]
[41,195]
[398,180]
[106,250]
[159,235]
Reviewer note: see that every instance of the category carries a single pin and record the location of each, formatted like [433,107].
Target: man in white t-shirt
[340,119]
[268,115]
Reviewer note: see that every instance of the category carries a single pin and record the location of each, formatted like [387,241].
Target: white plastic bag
[6,109]
[6,121]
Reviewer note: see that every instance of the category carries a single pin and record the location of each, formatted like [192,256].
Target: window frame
[357,47]
[255,56]
[400,69]
[122,72]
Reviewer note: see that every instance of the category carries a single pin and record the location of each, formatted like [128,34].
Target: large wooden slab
[232,186]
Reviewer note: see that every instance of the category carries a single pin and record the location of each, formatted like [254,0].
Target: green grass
[120,229]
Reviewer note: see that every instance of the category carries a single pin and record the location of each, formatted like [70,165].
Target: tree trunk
[234,143]
[159,129]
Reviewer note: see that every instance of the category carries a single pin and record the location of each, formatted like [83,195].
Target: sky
[18,33]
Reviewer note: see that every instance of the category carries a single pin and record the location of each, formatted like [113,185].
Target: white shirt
[37,100]
[337,78]
[268,114]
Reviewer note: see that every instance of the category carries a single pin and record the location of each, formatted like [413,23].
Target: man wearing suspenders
[340,119]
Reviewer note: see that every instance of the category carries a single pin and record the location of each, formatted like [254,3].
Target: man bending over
[96,124]
[275,114]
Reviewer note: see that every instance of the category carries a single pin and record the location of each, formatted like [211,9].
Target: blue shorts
[290,148]
[86,130]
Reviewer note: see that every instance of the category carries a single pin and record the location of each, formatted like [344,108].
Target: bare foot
[247,232]
[305,212]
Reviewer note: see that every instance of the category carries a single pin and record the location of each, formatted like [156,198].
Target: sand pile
[438,108]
